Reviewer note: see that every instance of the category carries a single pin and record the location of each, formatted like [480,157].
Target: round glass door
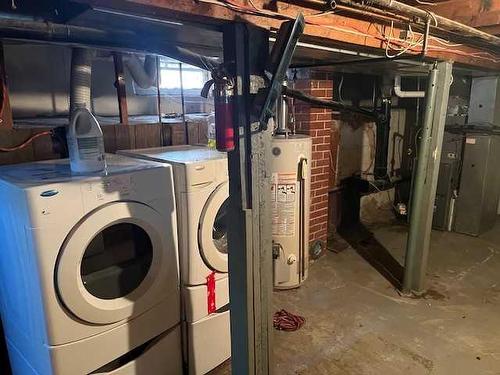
[115,262]
[219,230]
[212,235]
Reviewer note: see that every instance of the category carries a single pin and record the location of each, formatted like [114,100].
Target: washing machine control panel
[111,188]
[114,185]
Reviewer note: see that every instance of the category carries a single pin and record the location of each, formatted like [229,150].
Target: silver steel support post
[426,176]
[249,236]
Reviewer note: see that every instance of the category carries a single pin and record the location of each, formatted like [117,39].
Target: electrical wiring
[403,45]
[340,89]
[266,13]
[319,14]
[410,46]
[425,3]
[445,43]
[433,16]
[26,142]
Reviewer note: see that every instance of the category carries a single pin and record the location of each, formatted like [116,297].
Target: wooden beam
[121,91]
[475,13]
[6,120]
[329,30]
[494,29]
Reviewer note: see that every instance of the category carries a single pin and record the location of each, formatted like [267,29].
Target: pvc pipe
[405,94]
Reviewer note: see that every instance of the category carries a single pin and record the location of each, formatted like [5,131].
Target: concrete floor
[356,322]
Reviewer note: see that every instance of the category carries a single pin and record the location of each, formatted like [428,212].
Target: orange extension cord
[26,142]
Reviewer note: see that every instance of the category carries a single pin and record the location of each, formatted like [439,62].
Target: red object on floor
[285,321]
[211,293]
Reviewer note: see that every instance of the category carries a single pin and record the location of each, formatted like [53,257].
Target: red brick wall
[318,123]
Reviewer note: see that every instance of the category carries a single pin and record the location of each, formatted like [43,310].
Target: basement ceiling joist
[328,29]
[481,14]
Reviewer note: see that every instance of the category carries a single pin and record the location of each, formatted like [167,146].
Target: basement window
[193,79]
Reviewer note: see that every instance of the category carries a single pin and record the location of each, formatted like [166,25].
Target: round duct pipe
[143,74]
[81,79]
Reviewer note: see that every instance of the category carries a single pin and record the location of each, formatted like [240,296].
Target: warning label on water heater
[283,197]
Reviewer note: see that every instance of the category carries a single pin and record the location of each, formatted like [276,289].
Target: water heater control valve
[291,259]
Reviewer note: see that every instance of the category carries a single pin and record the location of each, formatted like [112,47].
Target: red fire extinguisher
[223,98]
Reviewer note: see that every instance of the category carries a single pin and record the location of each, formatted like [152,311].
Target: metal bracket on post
[425,182]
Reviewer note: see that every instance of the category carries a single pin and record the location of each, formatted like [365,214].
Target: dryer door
[212,234]
[115,262]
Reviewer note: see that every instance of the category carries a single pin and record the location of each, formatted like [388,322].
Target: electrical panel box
[484,106]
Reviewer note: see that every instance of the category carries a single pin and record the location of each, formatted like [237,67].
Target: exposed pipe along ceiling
[242,85]
[22,29]
[403,14]
[422,36]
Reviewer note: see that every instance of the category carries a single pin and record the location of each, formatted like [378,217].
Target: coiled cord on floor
[285,321]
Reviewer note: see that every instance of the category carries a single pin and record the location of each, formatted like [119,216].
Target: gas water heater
[290,188]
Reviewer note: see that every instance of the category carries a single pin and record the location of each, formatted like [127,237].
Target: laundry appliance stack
[89,269]
[202,191]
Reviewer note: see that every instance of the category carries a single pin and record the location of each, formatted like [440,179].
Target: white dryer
[89,269]
[202,191]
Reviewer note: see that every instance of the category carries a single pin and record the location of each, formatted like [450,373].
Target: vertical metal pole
[158,100]
[249,237]
[425,184]
[186,130]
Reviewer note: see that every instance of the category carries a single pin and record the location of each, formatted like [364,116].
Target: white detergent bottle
[85,142]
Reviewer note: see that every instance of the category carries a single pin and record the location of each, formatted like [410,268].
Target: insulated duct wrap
[81,78]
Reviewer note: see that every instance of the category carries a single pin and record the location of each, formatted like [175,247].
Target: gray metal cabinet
[476,205]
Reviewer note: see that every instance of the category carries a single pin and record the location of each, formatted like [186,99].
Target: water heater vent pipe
[282,114]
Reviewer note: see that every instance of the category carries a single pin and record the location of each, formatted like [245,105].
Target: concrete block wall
[318,123]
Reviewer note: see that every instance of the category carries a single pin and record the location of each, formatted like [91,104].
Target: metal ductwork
[81,79]
[125,40]
[143,74]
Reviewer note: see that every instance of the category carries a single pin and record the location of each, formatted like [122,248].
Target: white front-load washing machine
[202,191]
[89,278]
